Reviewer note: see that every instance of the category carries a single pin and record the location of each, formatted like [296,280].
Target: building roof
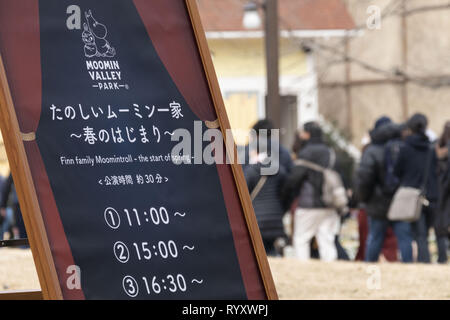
[227,15]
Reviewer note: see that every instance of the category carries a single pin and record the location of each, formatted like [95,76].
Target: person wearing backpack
[317,189]
[265,195]
[375,188]
[265,189]
[417,169]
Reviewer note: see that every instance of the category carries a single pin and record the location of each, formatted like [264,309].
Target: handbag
[408,202]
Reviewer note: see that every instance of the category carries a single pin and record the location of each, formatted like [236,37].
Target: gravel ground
[297,280]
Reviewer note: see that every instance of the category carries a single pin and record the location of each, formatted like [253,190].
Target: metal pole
[272,59]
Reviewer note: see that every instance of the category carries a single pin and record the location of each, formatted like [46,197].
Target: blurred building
[239,58]
[396,67]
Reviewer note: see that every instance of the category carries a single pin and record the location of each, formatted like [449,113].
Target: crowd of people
[396,156]
[399,190]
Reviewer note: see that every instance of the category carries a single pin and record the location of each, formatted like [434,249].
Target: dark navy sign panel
[113,41]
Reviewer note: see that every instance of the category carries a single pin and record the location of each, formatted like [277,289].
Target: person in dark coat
[442,219]
[9,199]
[371,191]
[342,254]
[265,193]
[266,199]
[303,181]
[410,169]
[312,217]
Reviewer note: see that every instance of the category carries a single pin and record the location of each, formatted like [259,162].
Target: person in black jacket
[442,219]
[411,169]
[265,189]
[9,198]
[371,190]
[265,194]
[312,217]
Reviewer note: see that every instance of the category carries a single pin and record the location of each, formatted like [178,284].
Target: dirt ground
[356,280]
[17,270]
[297,280]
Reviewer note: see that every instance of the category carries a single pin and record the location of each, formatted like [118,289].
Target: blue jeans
[420,229]
[442,243]
[377,232]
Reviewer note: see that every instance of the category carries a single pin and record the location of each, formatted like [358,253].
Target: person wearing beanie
[411,170]
[382,121]
[374,195]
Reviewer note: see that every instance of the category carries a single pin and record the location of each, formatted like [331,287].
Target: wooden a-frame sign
[91,93]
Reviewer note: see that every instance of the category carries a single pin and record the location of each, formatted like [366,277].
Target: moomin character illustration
[94,38]
[90,48]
